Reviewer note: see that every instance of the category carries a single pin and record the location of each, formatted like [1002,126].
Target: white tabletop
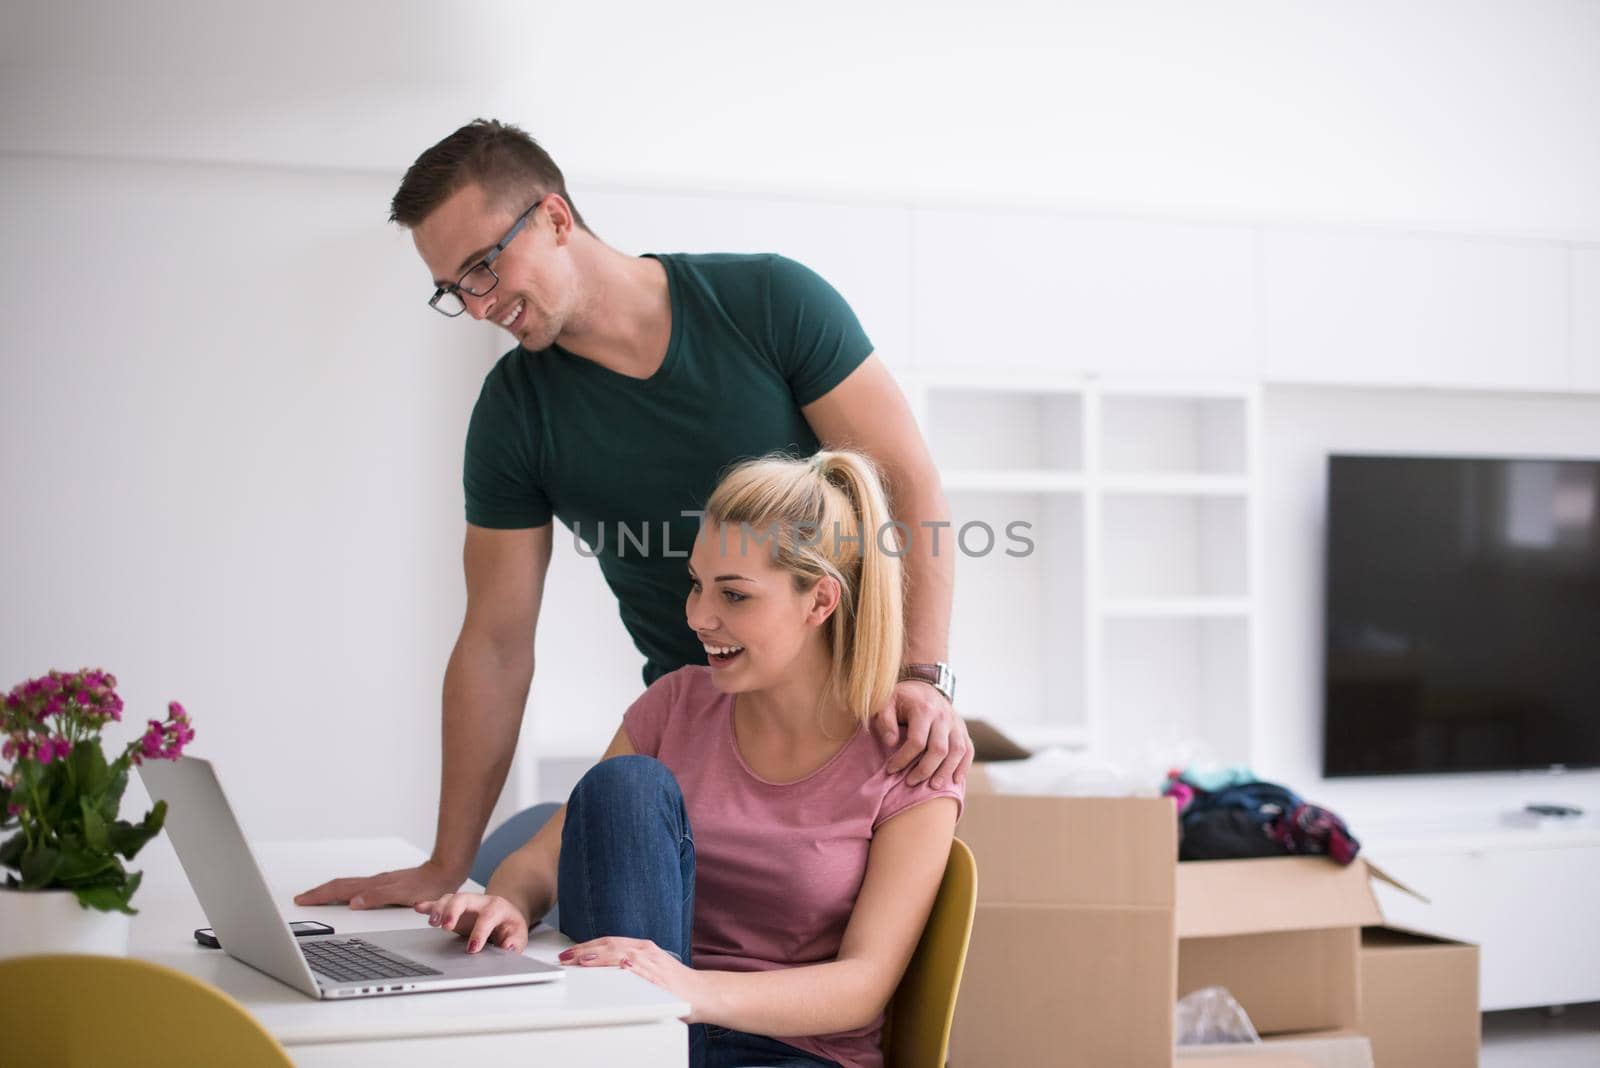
[169,913]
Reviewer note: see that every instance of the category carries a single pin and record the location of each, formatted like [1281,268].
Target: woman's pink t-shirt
[777,865]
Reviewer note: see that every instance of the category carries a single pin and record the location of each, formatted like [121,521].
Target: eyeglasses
[480,279]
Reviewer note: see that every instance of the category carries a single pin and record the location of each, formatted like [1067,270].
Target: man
[636,382]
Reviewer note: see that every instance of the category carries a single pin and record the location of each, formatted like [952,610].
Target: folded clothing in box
[1243,817]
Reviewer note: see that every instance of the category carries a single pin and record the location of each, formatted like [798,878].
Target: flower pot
[52,921]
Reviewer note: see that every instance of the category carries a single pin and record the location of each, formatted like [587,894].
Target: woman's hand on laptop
[401,887]
[480,918]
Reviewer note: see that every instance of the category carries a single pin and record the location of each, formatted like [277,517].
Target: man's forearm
[930,565]
[485,692]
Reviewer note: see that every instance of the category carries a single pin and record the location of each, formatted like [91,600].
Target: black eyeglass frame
[484,264]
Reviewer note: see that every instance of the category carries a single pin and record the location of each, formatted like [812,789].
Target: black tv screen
[1463,615]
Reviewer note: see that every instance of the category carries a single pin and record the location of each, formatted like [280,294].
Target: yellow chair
[69,1011]
[916,1031]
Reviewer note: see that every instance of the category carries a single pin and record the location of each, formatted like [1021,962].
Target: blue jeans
[627,870]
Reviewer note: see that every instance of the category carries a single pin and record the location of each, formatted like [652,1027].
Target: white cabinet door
[1586,319]
[860,248]
[1004,291]
[1366,309]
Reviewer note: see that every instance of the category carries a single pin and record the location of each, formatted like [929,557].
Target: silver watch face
[943,680]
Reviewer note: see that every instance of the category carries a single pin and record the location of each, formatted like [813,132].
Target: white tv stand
[1524,891]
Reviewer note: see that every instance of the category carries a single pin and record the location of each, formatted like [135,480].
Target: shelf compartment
[1176,608]
[1017,636]
[1012,481]
[1175,434]
[976,429]
[1176,485]
[1175,691]
[1167,547]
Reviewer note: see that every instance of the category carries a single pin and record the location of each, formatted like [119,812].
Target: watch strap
[938,675]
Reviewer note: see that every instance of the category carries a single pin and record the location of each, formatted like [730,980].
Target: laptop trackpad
[447,952]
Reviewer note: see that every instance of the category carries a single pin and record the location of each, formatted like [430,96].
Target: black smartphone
[301,928]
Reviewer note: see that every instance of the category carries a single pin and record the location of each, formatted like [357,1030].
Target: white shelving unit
[1131,628]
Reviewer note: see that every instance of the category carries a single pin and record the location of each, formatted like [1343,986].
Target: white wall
[1477,113]
[231,442]
[1300,428]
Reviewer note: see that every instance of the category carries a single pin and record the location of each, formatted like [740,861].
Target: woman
[740,844]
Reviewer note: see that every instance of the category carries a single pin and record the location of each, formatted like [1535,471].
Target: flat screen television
[1462,615]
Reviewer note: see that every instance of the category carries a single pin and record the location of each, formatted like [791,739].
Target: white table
[592,1016]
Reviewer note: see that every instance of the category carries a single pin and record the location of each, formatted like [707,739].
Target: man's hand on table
[934,733]
[405,886]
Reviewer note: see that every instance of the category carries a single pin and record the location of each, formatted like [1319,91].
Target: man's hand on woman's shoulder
[936,747]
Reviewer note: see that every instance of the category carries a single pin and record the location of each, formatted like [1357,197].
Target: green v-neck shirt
[619,460]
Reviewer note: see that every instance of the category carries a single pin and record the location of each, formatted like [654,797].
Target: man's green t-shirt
[619,460]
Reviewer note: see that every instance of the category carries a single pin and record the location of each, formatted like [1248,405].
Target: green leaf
[83,867]
[11,851]
[59,802]
[116,783]
[39,867]
[94,827]
[89,766]
[107,898]
[127,838]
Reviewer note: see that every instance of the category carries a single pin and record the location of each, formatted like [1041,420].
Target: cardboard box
[1282,934]
[1088,930]
[1419,999]
[1073,956]
[1330,1049]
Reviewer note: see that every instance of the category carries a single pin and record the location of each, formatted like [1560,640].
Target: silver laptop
[240,908]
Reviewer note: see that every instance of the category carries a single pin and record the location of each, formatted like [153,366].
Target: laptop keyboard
[354,961]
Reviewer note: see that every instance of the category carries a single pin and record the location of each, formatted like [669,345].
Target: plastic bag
[1211,1015]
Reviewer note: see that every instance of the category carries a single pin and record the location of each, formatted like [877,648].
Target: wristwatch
[939,676]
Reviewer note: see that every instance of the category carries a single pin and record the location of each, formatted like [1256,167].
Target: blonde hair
[830,517]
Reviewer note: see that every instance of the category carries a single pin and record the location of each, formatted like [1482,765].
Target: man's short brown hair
[504,160]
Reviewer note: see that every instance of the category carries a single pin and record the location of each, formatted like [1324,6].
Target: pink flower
[53,707]
[47,751]
[150,744]
[165,740]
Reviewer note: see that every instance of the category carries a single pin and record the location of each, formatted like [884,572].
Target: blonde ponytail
[839,499]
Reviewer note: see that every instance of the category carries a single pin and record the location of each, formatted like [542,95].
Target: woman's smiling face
[747,611]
